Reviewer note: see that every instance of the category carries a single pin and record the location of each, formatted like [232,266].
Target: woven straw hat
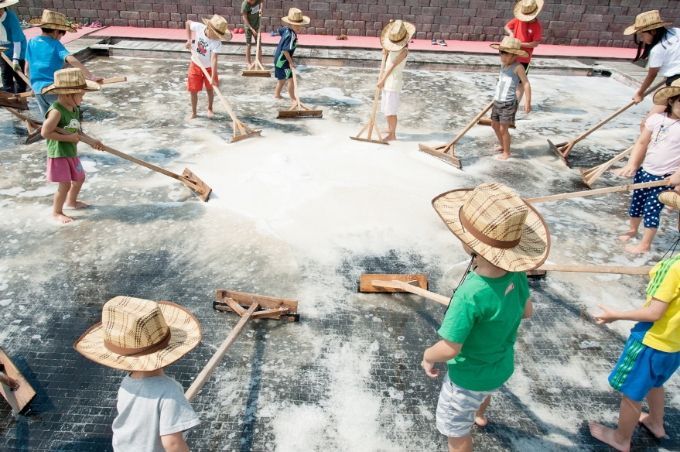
[396,35]
[6,3]
[140,335]
[54,21]
[662,95]
[70,81]
[497,224]
[527,10]
[219,26]
[510,45]
[670,198]
[649,20]
[295,17]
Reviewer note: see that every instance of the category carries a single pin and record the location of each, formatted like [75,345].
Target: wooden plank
[366,282]
[246,299]
[291,114]
[20,398]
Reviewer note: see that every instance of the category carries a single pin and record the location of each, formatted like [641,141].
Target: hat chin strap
[479,235]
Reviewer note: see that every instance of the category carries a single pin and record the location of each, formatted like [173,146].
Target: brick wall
[574,22]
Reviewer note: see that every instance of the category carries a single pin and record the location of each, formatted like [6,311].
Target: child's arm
[247,23]
[213,65]
[650,313]
[49,129]
[188,28]
[440,352]
[521,73]
[73,61]
[509,32]
[675,180]
[288,57]
[637,156]
[174,443]
[528,309]
[401,57]
[652,72]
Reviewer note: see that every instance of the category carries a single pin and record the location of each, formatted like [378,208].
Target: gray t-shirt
[149,408]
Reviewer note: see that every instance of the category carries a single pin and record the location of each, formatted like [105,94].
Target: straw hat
[527,10]
[497,224]
[295,17]
[396,35]
[219,26]
[661,96]
[646,21]
[510,45]
[70,81]
[6,3]
[142,335]
[670,198]
[55,21]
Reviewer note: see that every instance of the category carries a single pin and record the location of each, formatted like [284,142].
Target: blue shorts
[641,368]
[645,201]
[282,73]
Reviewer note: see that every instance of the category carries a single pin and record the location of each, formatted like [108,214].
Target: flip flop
[442,43]
[434,42]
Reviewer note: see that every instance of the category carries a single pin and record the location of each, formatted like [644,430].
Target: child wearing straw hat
[394,39]
[505,237]
[526,27]
[12,34]
[63,164]
[656,156]
[209,37]
[651,355]
[45,55]
[142,337]
[505,101]
[283,55]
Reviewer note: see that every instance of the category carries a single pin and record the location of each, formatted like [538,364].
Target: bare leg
[463,444]
[211,97]
[496,126]
[505,134]
[194,104]
[391,128]
[72,196]
[279,87]
[291,92]
[58,203]
[619,439]
[248,60]
[480,416]
[645,244]
[632,230]
[654,420]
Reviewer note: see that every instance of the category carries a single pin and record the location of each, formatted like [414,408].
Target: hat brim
[226,36]
[305,21]
[530,253]
[631,30]
[393,46]
[517,11]
[518,52]
[185,334]
[7,3]
[62,27]
[670,199]
[661,96]
[53,89]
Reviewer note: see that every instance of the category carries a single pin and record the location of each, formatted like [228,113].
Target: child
[209,37]
[45,55]
[63,164]
[250,10]
[394,40]
[283,56]
[11,32]
[505,237]
[526,27]
[656,156]
[142,337]
[505,100]
[650,357]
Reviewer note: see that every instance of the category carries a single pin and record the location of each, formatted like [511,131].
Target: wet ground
[301,213]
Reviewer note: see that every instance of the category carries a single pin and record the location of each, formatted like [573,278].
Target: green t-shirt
[70,121]
[253,12]
[484,316]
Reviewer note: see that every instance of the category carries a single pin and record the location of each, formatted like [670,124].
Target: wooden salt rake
[371,126]
[255,69]
[446,152]
[299,110]
[20,398]
[591,175]
[599,191]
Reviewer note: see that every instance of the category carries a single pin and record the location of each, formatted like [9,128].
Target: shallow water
[301,213]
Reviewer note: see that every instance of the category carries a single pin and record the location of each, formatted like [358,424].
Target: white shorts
[456,409]
[389,102]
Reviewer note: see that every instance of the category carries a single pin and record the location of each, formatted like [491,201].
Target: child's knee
[504,128]
[64,187]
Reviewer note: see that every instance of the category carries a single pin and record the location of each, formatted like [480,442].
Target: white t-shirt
[666,54]
[204,46]
[663,152]
[149,408]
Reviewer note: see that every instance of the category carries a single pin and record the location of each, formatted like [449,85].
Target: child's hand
[626,171]
[214,81]
[9,381]
[527,108]
[381,84]
[637,98]
[98,145]
[429,369]
[188,45]
[607,315]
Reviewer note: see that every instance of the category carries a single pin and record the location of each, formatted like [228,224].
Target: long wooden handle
[116,79]
[376,95]
[603,167]
[600,191]
[297,94]
[406,287]
[21,74]
[227,105]
[620,270]
[470,125]
[217,357]
[258,48]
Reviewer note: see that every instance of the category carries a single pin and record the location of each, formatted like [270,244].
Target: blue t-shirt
[287,43]
[45,56]
[14,34]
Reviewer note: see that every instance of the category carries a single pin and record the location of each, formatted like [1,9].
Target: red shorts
[65,169]
[196,79]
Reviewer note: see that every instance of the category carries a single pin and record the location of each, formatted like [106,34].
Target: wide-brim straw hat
[662,95]
[670,199]
[54,21]
[527,10]
[140,335]
[6,3]
[510,45]
[497,224]
[295,17]
[219,26]
[649,20]
[396,35]
[70,81]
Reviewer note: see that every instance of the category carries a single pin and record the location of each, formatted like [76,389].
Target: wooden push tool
[33,126]
[599,191]
[299,110]
[240,130]
[446,152]
[591,175]
[372,126]
[562,150]
[399,283]
[20,398]
[247,306]
[608,269]
[13,101]
[255,69]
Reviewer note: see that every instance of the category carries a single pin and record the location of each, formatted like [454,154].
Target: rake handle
[227,105]
[620,270]
[609,163]
[470,125]
[406,287]
[19,72]
[374,107]
[258,48]
[600,191]
[217,356]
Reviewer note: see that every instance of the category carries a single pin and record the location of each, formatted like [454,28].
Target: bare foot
[481,421]
[498,149]
[607,436]
[77,205]
[637,249]
[191,116]
[503,156]
[61,218]
[278,96]
[627,236]
[391,137]
[658,431]
[210,114]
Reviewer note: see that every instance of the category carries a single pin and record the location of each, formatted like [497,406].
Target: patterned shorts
[645,201]
[456,409]
[504,112]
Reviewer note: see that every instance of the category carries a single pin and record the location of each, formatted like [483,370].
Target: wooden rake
[399,283]
[446,152]
[247,306]
[299,110]
[599,191]
[590,176]
[240,130]
[372,126]
[256,69]
[606,269]
[20,398]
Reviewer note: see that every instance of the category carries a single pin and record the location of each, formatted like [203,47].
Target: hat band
[479,235]
[296,21]
[70,87]
[531,10]
[128,351]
